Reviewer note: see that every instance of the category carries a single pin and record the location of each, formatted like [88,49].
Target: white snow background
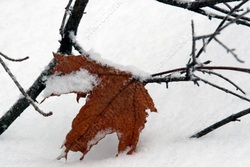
[143,33]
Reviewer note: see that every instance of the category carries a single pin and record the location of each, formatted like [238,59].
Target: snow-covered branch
[209,9]
[193,5]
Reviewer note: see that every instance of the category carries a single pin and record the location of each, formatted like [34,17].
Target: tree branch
[226,12]
[194,4]
[218,29]
[228,68]
[166,79]
[67,11]
[28,98]
[221,88]
[72,26]
[225,121]
[231,51]
[224,78]
[21,104]
[38,86]
[197,7]
[11,59]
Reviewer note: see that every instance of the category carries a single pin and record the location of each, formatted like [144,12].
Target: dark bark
[72,26]
[199,7]
[38,86]
[195,5]
[15,111]
[225,121]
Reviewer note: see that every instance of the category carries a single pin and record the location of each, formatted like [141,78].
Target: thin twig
[192,62]
[31,101]
[195,79]
[221,88]
[232,118]
[196,6]
[71,25]
[67,9]
[193,43]
[225,78]
[211,15]
[229,50]
[192,5]
[206,36]
[14,60]
[76,45]
[226,12]
[246,70]
[39,84]
[204,44]
[227,5]
[220,25]
[235,20]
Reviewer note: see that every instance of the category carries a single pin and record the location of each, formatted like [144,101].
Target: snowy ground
[146,34]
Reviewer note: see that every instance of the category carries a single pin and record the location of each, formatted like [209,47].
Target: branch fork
[28,98]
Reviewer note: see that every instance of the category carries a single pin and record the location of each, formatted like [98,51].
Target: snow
[63,153]
[137,73]
[175,75]
[73,38]
[143,33]
[98,137]
[79,81]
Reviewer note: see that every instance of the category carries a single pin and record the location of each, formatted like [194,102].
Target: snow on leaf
[116,104]
[79,81]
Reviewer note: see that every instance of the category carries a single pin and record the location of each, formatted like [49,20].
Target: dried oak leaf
[116,104]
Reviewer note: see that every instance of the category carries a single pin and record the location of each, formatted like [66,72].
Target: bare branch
[229,50]
[67,12]
[72,26]
[205,36]
[227,5]
[193,65]
[195,4]
[31,101]
[226,79]
[165,79]
[226,12]
[193,43]
[218,29]
[37,87]
[221,88]
[195,79]
[232,118]
[235,20]
[212,15]
[14,60]
[229,68]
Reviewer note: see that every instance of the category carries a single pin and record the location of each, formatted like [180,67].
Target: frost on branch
[117,102]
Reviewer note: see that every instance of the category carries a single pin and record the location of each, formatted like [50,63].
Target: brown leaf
[116,104]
